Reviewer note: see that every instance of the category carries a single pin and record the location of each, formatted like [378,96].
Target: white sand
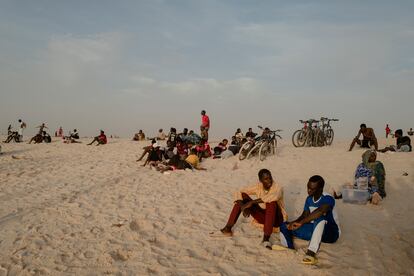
[58,204]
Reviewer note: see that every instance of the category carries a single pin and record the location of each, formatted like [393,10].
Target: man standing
[205,120]
[368,138]
[387,131]
[22,125]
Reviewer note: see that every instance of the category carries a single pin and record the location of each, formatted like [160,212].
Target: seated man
[46,137]
[147,149]
[250,133]
[12,135]
[222,146]
[72,138]
[410,132]
[368,138]
[101,139]
[161,135]
[154,156]
[268,208]
[318,222]
[403,143]
[203,149]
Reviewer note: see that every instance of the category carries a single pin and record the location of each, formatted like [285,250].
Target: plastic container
[362,183]
[355,196]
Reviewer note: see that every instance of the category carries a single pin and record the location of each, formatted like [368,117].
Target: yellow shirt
[193,160]
[275,193]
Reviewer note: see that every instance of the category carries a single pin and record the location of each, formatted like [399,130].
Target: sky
[122,66]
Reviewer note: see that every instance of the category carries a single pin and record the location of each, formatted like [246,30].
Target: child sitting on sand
[101,139]
[317,223]
[268,208]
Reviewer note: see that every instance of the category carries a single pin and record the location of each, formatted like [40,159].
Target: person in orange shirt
[268,208]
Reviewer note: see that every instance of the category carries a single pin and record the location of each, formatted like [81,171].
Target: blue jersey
[331,215]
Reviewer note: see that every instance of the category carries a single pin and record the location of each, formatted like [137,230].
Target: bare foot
[226,231]
[376,198]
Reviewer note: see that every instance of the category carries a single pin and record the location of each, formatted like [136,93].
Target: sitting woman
[375,173]
[267,208]
[101,139]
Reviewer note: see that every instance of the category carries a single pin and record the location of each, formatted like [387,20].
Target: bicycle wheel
[255,150]
[244,150]
[265,150]
[320,138]
[309,138]
[298,138]
[329,136]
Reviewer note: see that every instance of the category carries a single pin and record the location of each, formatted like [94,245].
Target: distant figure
[172,136]
[403,143]
[41,137]
[72,138]
[22,126]
[184,135]
[387,131]
[410,132]
[101,139]
[250,133]
[205,120]
[60,132]
[12,135]
[140,136]
[161,135]
[368,138]
[203,133]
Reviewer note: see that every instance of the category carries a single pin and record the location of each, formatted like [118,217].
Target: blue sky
[128,65]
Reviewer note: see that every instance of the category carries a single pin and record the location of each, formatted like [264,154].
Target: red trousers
[269,217]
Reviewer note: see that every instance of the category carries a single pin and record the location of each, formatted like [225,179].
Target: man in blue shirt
[318,222]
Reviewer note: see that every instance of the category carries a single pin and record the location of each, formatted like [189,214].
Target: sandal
[267,245]
[278,247]
[310,260]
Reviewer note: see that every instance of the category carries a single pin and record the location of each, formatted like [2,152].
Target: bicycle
[306,135]
[269,144]
[328,133]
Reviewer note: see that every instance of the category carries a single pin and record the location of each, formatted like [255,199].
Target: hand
[239,201]
[246,206]
[294,225]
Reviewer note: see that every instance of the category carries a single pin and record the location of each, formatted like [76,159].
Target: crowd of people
[264,200]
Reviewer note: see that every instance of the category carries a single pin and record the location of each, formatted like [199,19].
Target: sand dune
[88,210]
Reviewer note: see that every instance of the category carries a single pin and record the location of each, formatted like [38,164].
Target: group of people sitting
[41,136]
[317,223]
[403,143]
[182,151]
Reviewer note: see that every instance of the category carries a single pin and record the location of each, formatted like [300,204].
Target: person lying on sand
[101,139]
[176,163]
[374,172]
[268,208]
[403,143]
[317,223]
[368,138]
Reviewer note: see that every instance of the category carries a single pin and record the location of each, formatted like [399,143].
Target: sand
[88,210]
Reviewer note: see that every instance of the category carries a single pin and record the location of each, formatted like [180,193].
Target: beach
[72,209]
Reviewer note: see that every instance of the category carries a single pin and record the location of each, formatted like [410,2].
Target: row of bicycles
[314,133]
